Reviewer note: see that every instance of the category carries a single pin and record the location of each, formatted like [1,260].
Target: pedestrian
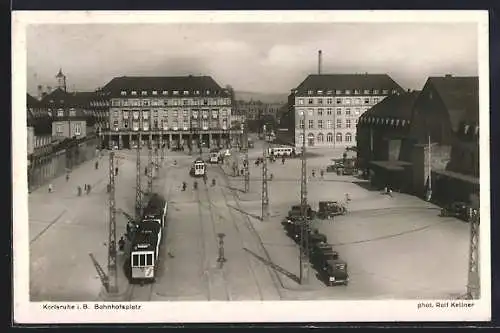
[85,187]
[79,190]
[88,189]
[195,185]
[213,182]
[145,171]
[313,173]
[51,188]
[116,171]
[283,160]
[242,171]
[322,173]
[96,165]
[121,244]
[347,197]
[67,177]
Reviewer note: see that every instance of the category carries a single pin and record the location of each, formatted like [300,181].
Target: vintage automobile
[330,209]
[296,212]
[335,272]
[460,210]
[321,253]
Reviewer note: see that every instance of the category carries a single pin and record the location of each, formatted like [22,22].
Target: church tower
[61,80]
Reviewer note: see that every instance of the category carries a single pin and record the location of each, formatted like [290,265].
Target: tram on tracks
[145,249]
[198,168]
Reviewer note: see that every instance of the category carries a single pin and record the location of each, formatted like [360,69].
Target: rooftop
[394,106]
[327,82]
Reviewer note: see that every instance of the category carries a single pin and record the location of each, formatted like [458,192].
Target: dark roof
[31,101]
[61,98]
[460,95]
[164,83]
[327,82]
[399,106]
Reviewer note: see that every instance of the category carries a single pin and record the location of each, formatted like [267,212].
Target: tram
[198,168]
[147,239]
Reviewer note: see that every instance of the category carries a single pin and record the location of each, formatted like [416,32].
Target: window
[329,92]
[186,92]
[142,260]
[320,124]
[367,92]
[145,102]
[60,113]
[145,114]
[72,112]
[347,101]
[357,101]
[144,93]
[375,91]
[367,101]
[347,92]
[185,102]
[123,93]
[116,114]
[309,92]
[338,92]
[207,92]
[355,121]
[329,124]
[149,259]
[320,137]
[301,123]
[125,123]
[348,123]
[164,92]
[205,102]
[357,91]
[329,137]
[338,137]
[320,92]
[347,111]
[329,101]
[155,92]
[176,92]
[394,91]
[185,113]
[320,112]
[310,112]
[310,101]
[115,102]
[125,114]
[301,138]
[338,101]
[339,123]
[155,123]
[59,129]
[357,112]
[135,260]
[320,100]
[375,100]
[301,101]
[385,91]
[329,111]
[348,137]
[339,111]
[115,123]
[311,123]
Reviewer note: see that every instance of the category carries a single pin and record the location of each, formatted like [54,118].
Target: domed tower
[61,80]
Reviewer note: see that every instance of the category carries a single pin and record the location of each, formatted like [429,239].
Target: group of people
[86,188]
[195,183]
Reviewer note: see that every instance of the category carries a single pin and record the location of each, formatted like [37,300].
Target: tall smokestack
[39,92]
[319,62]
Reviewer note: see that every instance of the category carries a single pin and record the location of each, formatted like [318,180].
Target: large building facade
[177,111]
[329,106]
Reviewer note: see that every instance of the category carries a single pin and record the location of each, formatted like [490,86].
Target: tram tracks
[276,281]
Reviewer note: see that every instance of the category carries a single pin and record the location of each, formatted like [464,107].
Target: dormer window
[72,112]
[320,92]
[367,92]
[347,92]
[144,93]
[60,113]
[155,92]
[197,92]
[123,93]
[176,92]
[309,92]
[165,92]
[134,92]
[385,91]
[375,91]
[357,91]
[186,92]
[207,92]
[338,92]
[329,92]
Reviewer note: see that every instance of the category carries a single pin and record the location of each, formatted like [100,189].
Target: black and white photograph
[251,166]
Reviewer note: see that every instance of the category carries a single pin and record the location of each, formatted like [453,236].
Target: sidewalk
[65,228]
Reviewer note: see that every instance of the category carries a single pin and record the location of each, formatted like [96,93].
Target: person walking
[322,173]
[121,244]
[314,173]
[67,177]
[96,165]
[116,171]
[51,188]
[79,191]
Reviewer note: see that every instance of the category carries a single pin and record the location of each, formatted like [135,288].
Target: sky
[254,57]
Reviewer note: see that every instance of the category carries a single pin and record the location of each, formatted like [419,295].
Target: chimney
[320,60]
[39,92]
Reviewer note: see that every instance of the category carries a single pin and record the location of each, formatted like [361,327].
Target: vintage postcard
[295,166]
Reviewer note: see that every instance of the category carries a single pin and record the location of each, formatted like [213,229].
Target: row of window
[349,92]
[173,92]
[77,129]
[170,102]
[338,111]
[329,123]
[136,125]
[338,100]
[174,113]
[329,137]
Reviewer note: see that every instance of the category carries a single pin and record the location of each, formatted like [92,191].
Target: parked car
[330,209]
[321,253]
[460,210]
[335,272]
[296,211]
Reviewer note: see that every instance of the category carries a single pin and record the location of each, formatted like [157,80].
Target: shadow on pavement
[277,268]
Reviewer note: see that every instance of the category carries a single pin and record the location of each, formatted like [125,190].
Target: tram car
[147,239]
[198,168]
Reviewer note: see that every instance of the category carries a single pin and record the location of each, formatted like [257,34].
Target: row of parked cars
[322,256]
